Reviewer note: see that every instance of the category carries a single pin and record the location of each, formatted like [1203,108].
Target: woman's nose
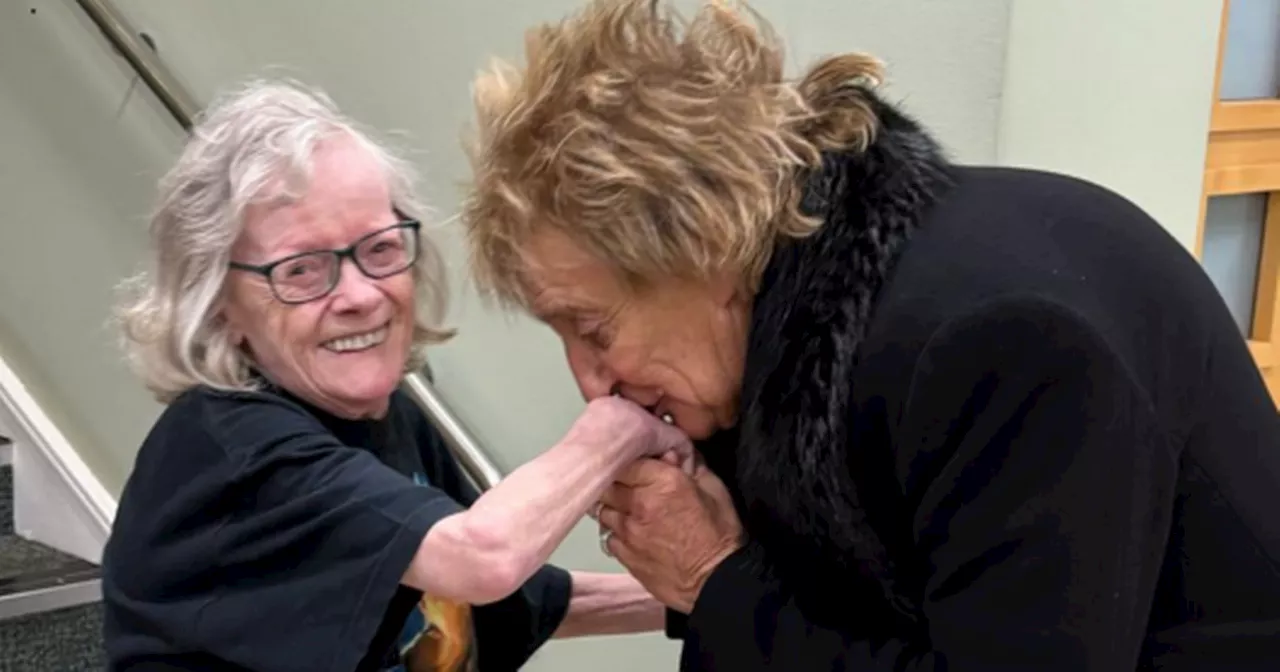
[355,291]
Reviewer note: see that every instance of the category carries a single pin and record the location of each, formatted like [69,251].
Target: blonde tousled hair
[664,147]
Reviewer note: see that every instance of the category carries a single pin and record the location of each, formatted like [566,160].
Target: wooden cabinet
[1243,158]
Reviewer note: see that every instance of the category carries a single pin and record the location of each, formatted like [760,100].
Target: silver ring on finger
[605,536]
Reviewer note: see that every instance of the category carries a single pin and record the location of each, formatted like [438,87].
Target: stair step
[63,640]
[21,559]
[50,602]
[34,577]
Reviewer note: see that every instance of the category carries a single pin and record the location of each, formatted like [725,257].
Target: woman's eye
[300,268]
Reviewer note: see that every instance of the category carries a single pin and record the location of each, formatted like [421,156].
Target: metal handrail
[466,450]
[175,97]
[144,60]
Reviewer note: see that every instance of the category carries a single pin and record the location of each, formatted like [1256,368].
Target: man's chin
[705,430]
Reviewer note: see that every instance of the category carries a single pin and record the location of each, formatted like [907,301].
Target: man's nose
[593,378]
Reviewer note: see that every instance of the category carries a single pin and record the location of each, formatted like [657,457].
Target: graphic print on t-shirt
[438,635]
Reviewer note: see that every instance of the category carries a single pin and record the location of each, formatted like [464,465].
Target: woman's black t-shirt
[257,532]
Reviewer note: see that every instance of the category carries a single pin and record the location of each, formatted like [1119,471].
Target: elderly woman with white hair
[290,509]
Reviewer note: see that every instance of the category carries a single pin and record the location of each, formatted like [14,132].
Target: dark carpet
[65,640]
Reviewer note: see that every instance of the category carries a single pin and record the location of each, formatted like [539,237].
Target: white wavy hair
[253,144]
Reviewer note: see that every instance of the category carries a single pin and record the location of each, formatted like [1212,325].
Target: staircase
[50,608]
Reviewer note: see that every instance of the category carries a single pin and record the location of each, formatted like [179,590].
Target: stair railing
[179,102]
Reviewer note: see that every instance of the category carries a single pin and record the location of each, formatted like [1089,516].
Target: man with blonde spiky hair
[953,417]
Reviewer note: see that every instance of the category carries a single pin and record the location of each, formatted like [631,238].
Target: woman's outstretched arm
[488,551]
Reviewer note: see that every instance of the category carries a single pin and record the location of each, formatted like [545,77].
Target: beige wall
[83,146]
[79,151]
[1115,91]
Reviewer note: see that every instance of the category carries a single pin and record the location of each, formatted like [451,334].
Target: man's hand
[669,528]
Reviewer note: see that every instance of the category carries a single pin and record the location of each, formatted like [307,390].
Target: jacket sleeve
[677,624]
[1045,493]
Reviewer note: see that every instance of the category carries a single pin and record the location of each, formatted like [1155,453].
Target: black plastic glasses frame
[348,252]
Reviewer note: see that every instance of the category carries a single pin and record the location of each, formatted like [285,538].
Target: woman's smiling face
[346,351]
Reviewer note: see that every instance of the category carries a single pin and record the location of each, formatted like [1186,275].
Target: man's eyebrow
[551,307]
[545,306]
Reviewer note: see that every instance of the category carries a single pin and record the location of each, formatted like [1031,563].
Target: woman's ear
[219,316]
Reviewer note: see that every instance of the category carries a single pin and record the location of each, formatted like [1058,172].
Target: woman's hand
[669,529]
[614,422]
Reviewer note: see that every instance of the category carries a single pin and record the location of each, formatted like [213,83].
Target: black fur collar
[791,464]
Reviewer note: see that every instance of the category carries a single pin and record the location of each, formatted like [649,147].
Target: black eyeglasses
[308,276]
